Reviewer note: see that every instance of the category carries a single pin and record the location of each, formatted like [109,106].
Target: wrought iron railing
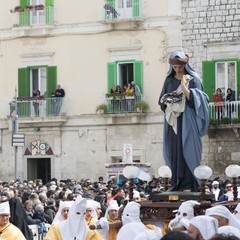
[224,113]
[30,107]
[121,103]
[33,16]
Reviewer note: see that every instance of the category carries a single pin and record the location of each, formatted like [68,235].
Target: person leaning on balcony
[59,94]
[113,89]
[186,119]
[36,102]
[218,103]
[128,90]
[230,106]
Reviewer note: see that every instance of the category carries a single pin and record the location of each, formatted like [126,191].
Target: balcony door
[226,76]
[38,80]
[124,8]
[37,16]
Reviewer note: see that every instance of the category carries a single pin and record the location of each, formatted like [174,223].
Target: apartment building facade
[87,48]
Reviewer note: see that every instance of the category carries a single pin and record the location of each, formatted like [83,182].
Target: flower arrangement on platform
[18,9]
[39,7]
[29,8]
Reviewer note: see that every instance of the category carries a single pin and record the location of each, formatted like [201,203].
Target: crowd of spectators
[41,201]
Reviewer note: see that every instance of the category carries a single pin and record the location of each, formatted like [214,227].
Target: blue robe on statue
[182,151]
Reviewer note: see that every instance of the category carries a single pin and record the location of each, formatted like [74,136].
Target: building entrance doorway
[39,168]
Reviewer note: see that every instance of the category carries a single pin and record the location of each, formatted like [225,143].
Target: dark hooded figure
[18,217]
[185,121]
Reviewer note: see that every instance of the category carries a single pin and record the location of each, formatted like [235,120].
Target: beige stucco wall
[81,45]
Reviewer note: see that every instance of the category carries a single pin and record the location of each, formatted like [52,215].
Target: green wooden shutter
[24,107]
[49,2]
[24,17]
[23,82]
[51,87]
[49,11]
[111,74]
[112,2]
[138,74]
[209,78]
[136,8]
[24,3]
[51,80]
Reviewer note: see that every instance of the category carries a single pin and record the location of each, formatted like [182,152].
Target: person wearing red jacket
[218,104]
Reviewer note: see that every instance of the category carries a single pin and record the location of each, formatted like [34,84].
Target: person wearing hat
[229,231]
[202,227]
[75,226]
[215,190]
[62,212]
[227,194]
[186,120]
[131,214]
[8,230]
[223,215]
[114,222]
[183,216]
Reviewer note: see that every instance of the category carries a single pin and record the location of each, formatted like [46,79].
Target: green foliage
[225,120]
[115,95]
[235,120]
[101,108]
[142,106]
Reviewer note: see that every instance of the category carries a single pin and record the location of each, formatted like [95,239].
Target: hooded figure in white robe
[229,231]
[223,211]
[63,205]
[206,225]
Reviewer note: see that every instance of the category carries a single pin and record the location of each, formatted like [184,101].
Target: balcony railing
[39,108]
[33,17]
[122,10]
[224,113]
[125,104]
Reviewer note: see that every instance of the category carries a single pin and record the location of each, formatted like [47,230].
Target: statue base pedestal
[179,196]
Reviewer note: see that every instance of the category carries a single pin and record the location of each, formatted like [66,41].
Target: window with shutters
[31,79]
[33,15]
[221,74]
[123,9]
[123,72]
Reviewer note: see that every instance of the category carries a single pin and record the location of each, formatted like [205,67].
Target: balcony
[121,103]
[225,115]
[122,10]
[28,107]
[33,16]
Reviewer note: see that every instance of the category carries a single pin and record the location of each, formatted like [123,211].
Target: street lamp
[202,172]
[233,171]
[131,172]
[165,173]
